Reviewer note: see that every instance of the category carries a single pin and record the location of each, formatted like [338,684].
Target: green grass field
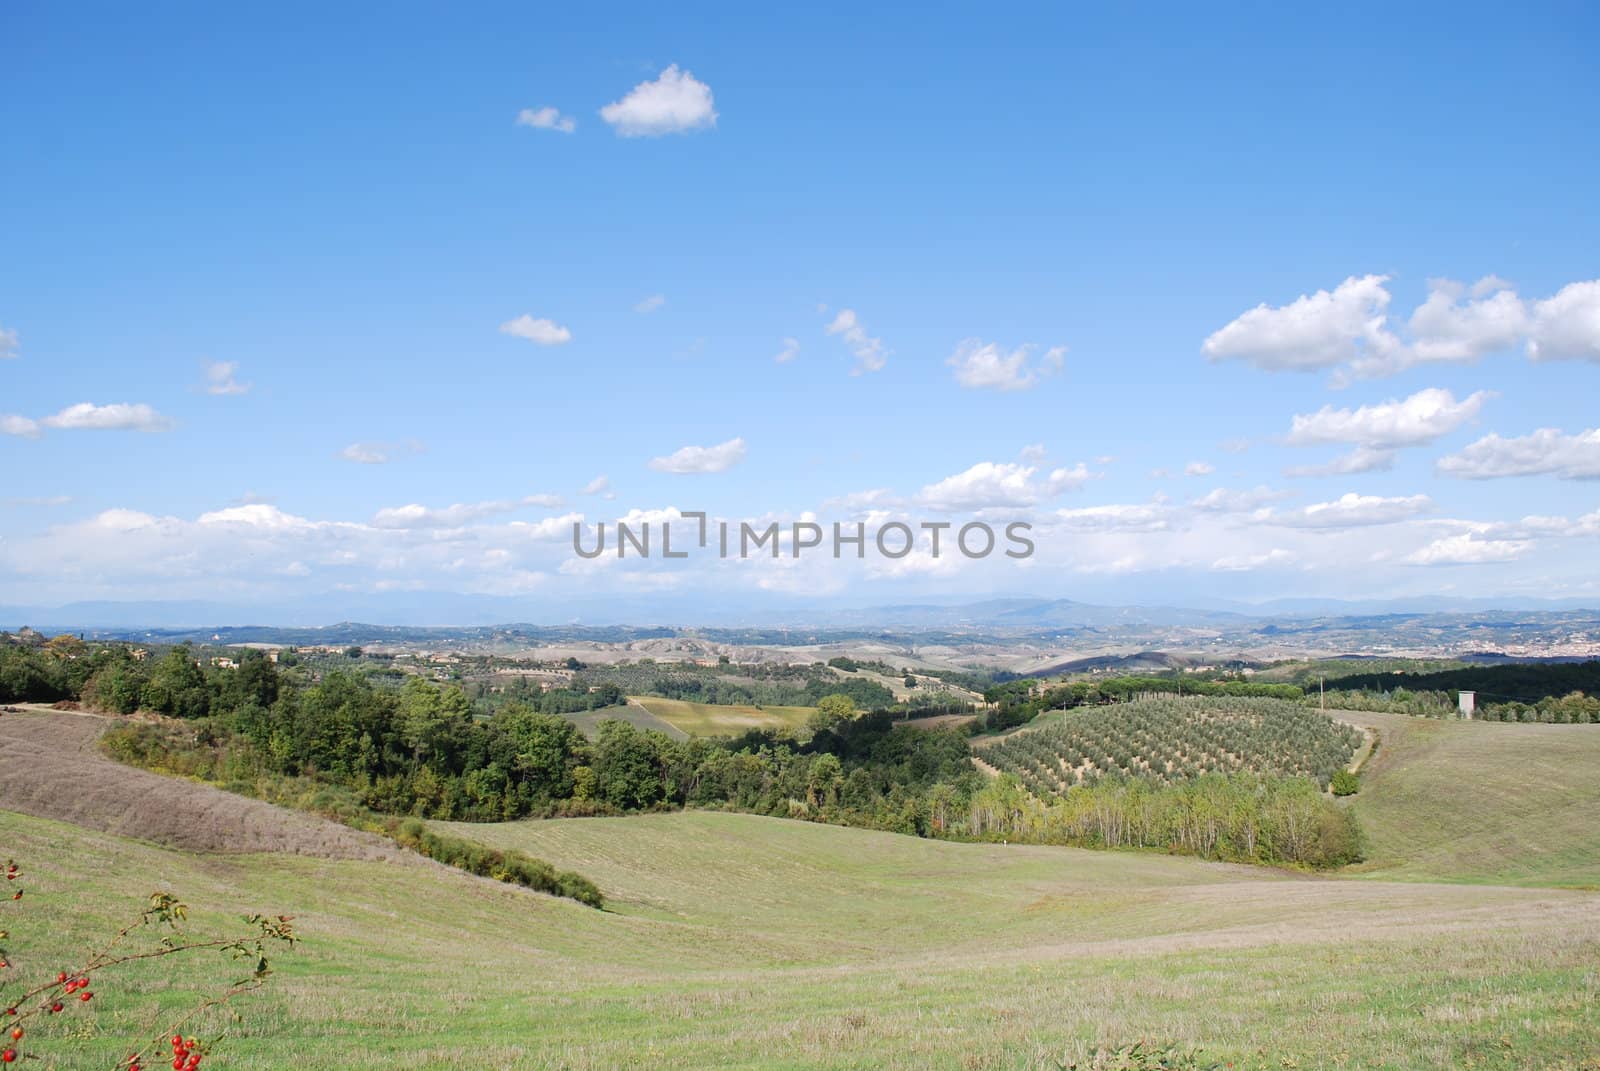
[740,941]
[709,719]
[1481,801]
[588,721]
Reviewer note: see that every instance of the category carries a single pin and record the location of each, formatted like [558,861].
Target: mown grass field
[737,941]
[588,721]
[740,941]
[709,719]
[1481,801]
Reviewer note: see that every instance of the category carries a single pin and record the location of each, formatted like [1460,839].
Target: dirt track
[50,767]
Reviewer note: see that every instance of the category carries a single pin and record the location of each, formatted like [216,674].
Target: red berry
[9,1056]
[16,1033]
[55,1007]
[62,977]
[86,995]
[177,1064]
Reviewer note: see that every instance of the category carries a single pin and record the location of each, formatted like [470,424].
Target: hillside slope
[760,943]
[1481,801]
[50,767]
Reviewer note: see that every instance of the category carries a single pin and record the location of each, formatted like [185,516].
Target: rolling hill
[740,941]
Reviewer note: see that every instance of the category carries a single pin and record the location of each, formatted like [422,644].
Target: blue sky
[344,210]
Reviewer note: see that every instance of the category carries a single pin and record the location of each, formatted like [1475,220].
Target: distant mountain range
[413,610]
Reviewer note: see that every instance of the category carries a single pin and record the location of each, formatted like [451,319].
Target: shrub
[1344,783]
[70,992]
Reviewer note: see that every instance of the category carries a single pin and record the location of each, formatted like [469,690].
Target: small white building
[1466,702]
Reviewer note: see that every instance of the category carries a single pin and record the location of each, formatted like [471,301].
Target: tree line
[422,750]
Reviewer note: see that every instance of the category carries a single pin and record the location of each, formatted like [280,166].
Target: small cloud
[995,485]
[118,416]
[1243,563]
[8,344]
[791,350]
[417,516]
[1415,421]
[1314,331]
[1350,511]
[1199,468]
[599,485]
[1033,452]
[20,426]
[546,118]
[675,103]
[1545,452]
[651,303]
[540,332]
[222,378]
[983,365]
[1465,549]
[378,453]
[1361,459]
[1564,327]
[1225,500]
[53,500]
[870,353]
[700,459]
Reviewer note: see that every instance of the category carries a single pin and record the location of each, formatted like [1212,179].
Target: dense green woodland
[1563,693]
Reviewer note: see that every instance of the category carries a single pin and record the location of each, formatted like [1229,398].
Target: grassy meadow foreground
[743,941]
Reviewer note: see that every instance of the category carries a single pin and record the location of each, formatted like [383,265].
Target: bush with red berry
[72,991]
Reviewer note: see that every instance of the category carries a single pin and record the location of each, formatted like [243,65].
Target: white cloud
[1034,452]
[870,352]
[254,515]
[981,365]
[791,350]
[542,332]
[118,416]
[1314,331]
[597,486]
[454,516]
[1199,468]
[1349,328]
[546,118]
[1350,511]
[1447,328]
[992,485]
[1567,325]
[8,343]
[221,378]
[1361,459]
[696,459]
[1243,563]
[1071,479]
[1546,452]
[857,501]
[549,528]
[1423,417]
[675,103]
[378,453]
[1466,549]
[1224,500]
[1118,517]
[651,303]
